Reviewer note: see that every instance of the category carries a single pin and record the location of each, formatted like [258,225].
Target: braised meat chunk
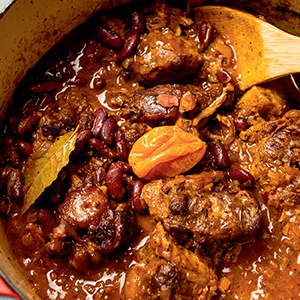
[203,208]
[163,57]
[163,104]
[133,167]
[259,104]
[93,228]
[276,163]
[158,105]
[84,206]
[167,270]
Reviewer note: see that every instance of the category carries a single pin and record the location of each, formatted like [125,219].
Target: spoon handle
[281,52]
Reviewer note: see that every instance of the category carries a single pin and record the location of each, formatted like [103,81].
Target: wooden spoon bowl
[263,52]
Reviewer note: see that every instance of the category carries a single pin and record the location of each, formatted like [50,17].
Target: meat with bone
[203,208]
[93,228]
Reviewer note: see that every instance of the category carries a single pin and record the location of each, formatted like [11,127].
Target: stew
[132,166]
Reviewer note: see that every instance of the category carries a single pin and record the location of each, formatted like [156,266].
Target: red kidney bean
[4,173]
[43,87]
[68,71]
[107,132]
[225,77]
[79,80]
[101,148]
[265,195]
[99,83]
[114,183]
[44,102]
[11,152]
[139,204]
[25,148]
[124,75]
[98,145]
[26,126]
[82,140]
[14,185]
[109,38]
[124,166]
[240,175]
[137,21]
[220,155]
[47,220]
[130,45]
[122,151]
[240,123]
[100,117]
[206,34]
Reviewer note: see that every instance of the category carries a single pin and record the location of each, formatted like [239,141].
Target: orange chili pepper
[165,151]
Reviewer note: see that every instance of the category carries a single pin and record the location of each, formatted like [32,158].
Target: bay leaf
[41,170]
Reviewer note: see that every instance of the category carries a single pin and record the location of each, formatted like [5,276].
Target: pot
[28,29]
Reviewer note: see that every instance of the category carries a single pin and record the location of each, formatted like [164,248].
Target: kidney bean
[240,123]
[47,220]
[114,183]
[178,204]
[107,132]
[11,152]
[100,117]
[139,204]
[68,71]
[25,148]
[82,140]
[99,83]
[101,148]
[130,45]
[265,195]
[122,151]
[225,77]
[109,38]
[27,125]
[206,34]
[43,87]
[124,166]
[79,80]
[44,102]
[137,21]
[124,75]
[97,145]
[14,185]
[220,155]
[240,175]
[4,173]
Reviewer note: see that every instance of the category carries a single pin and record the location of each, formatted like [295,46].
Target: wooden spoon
[263,51]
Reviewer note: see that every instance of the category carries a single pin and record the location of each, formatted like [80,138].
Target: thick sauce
[265,266]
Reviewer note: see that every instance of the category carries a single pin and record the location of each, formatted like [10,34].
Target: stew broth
[88,75]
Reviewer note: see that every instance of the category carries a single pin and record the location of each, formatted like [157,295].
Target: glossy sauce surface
[265,268]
